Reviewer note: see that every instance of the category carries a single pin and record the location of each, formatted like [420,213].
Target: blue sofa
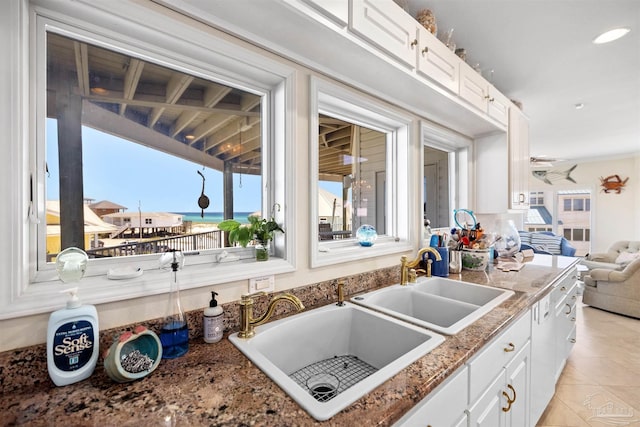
[545,242]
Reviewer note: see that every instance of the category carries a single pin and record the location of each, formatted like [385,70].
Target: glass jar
[507,238]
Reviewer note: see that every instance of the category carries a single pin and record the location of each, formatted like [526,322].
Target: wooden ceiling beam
[212,96]
[81,52]
[114,124]
[131,80]
[141,102]
[175,88]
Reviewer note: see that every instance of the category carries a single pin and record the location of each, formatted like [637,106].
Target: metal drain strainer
[327,378]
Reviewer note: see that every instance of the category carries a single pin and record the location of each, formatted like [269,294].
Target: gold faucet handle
[413,275]
[249,297]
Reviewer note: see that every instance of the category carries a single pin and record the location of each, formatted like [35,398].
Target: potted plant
[259,229]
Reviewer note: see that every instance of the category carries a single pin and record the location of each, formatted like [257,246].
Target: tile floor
[600,385]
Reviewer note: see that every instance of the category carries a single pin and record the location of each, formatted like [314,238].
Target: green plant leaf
[229,225]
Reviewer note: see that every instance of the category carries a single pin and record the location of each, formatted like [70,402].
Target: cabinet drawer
[484,366]
[442,407]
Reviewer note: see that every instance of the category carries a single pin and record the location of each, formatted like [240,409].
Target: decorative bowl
[133,355]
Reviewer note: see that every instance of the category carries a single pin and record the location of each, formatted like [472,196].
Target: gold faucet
[406,265]
[247,322]
[340,293]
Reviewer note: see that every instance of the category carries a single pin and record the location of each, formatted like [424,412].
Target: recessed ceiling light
[99,91]
[579,106]
[611,35]
[189,137]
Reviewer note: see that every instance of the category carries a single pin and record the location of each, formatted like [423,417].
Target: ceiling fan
[543,161]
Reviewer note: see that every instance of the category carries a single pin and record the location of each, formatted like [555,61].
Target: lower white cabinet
[444,407]
[505,402]
[565,296]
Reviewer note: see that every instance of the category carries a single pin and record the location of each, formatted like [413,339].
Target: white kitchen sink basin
[328,358]
[443,305]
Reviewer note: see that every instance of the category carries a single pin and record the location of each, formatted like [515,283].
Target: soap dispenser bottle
[213,321]
[174,334]
[72,334]
[72,341]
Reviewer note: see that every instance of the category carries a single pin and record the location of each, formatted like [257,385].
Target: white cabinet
[518,159]
[505,402]
[565,296]
[499,188]
[444,407]
[543,344]
[436,61]
[385,25]
[477,91]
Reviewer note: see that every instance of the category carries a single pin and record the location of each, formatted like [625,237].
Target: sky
[130,174]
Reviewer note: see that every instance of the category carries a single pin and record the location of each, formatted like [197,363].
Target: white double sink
[314,356]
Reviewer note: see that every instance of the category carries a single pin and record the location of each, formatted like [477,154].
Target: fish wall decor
[613,184]
[551,176]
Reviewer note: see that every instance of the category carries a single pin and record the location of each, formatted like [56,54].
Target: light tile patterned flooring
[600,385]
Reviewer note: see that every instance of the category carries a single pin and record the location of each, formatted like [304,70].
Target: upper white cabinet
[518,159]
[477,91]
[436,61]
[387,26]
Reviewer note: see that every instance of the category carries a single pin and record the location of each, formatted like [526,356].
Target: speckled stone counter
[215,385]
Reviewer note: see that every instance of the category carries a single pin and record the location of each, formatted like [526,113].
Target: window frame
[183,47]
[345,104]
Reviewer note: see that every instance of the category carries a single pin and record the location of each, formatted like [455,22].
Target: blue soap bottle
[72,341]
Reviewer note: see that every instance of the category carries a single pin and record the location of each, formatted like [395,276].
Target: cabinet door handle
[425,50]
[572,340]
[563,289]
[568,312]
[509,348]
[510,401]
[414,43]
[573,319]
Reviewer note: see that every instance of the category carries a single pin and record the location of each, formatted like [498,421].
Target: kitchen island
[214,384]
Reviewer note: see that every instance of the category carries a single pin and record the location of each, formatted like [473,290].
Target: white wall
[613,216]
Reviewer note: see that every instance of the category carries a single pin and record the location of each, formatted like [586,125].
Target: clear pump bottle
[174,334]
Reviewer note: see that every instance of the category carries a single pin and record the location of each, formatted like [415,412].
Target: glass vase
[262,251]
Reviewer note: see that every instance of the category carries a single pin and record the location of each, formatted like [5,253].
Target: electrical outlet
[264,284]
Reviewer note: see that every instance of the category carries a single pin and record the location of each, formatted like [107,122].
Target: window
[139,114]
[352,169]
[536,198]
[576,204]
[356,147]
[134,134]
[577,234]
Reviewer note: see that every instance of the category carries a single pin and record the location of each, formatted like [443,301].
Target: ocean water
[213,217]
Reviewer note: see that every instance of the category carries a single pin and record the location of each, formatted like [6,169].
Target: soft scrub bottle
[72,342]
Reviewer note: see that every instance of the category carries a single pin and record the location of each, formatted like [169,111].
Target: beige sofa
[619,255]
[614,290]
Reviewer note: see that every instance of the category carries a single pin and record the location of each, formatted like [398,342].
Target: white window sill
[47,296]
[350,250]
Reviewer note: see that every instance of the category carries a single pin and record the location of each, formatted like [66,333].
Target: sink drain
[325,379]
[323,387]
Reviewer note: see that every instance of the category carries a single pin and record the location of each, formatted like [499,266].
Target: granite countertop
[215,385]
